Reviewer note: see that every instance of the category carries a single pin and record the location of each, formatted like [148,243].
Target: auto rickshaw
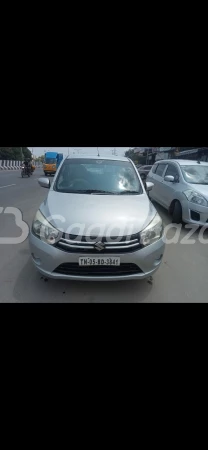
[32,167]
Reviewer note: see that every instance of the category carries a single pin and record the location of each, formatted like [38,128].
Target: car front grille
[97,271]
[116,245]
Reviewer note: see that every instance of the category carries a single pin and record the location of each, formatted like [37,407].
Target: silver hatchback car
[181,186]
[97,223]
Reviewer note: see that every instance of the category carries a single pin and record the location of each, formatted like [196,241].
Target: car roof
[182,162]
[112,158]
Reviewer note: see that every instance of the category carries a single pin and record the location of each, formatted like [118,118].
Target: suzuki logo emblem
[99,246]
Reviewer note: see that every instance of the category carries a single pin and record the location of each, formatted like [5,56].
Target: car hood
[201,188]
[84,214]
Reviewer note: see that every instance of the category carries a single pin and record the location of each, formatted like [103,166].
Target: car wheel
[177,213]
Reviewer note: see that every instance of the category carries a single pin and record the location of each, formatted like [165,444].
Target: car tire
[177,213]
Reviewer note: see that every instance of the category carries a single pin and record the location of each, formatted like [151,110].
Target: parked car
[97,226]
[181,186]
[143,171]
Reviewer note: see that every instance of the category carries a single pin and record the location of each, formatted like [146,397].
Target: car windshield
[195,174]
[50,160]
[98,176]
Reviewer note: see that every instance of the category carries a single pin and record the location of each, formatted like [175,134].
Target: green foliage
[138,159]
[130,154]
[26,153]
[15,153]
[40,159]
[5,153]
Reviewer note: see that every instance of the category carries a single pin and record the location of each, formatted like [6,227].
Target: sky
[104,151]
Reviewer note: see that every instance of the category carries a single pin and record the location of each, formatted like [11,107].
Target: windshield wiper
[85,191]
[204,184]
[97,191]
[128,192]
[92,191]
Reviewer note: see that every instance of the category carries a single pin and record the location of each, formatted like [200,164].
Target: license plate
[99,261]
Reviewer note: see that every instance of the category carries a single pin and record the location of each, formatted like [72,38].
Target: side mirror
[149,186]
[170,178]
[44,182]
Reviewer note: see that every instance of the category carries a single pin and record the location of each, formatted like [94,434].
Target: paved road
[181,278]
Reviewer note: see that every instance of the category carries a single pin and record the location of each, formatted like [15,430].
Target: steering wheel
[80,181]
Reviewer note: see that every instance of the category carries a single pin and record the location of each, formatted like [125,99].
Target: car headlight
[152,232]
[195,197]
[44,230]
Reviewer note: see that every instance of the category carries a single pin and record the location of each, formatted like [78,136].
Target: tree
[135,157]
[15,153]
[40,158]
[6,153]
[26,153]
[129,154]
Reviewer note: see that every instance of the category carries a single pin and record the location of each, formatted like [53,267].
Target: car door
[168,188]
[155,176]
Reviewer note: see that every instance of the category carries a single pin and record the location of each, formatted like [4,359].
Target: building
[200,153]
[194,153]
[152,154]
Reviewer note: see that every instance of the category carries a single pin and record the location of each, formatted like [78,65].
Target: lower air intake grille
[99,271]
[195,216]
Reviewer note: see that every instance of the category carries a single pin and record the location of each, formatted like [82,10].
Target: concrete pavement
[182,276]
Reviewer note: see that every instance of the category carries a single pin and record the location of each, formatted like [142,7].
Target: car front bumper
[47,258]
[202,211]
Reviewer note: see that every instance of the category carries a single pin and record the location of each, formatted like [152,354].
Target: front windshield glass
[196,174]
[50,161]
[98,176]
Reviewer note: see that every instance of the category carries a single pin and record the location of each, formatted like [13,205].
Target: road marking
[2,187]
